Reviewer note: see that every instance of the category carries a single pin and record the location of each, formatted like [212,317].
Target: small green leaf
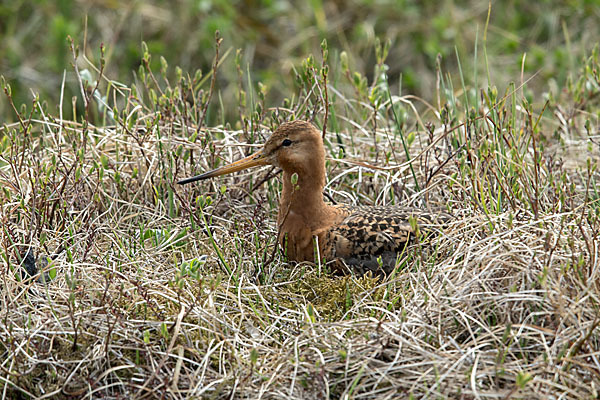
[523,378]
[86,77]
[253,356]
[324,44]
[163,64]
[414,225]
[52,269]
[344,61]
[410,139]
[310,312]
[164,331]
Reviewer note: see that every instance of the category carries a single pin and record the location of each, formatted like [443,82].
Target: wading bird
[359,238]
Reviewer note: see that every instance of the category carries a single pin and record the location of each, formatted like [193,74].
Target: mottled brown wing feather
[368,233]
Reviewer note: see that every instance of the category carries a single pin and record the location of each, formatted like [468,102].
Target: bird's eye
[286,142]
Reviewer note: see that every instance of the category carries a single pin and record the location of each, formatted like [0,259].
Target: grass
[156,291]
[277,35]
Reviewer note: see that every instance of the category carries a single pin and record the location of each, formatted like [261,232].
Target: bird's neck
[305,198]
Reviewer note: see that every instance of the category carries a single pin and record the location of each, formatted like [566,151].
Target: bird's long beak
[255,159]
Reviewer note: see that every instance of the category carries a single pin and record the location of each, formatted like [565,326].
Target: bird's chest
[300,241]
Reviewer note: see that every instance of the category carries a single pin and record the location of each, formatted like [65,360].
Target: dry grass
[155,291]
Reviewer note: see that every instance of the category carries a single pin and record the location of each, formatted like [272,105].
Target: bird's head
[295,146]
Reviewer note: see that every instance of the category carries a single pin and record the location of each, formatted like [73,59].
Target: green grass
[155,290]
[275,36]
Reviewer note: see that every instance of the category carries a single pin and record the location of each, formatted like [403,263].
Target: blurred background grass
[275,35]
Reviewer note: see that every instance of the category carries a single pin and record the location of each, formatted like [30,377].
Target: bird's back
[370,238]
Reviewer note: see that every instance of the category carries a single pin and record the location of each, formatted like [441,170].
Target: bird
[349,238]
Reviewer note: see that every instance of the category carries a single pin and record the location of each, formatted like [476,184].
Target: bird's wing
[370,238]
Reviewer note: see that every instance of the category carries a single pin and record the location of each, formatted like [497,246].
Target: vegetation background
[547,37]
[117,283]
